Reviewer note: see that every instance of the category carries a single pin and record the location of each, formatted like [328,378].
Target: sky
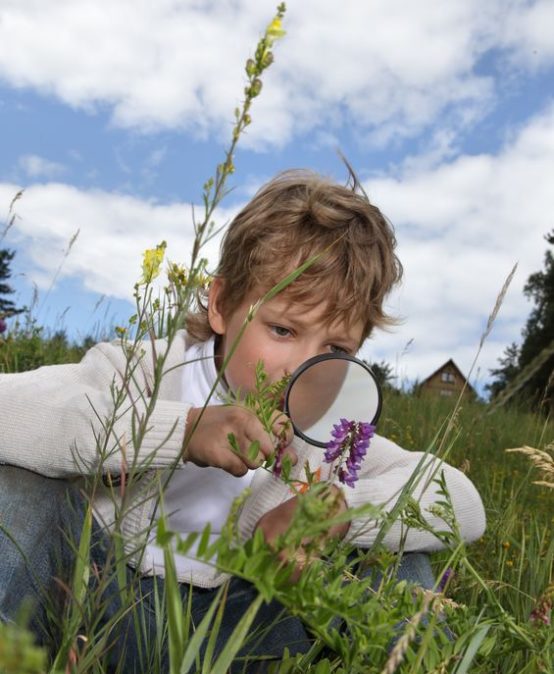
[113,115]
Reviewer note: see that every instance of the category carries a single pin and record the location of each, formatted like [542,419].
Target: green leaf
[323,667]
[237,638]
[163,535]
[233,442]
[210,648]
[204,540]
[82,567]
[184,545]
[176,634]
[79,588]
[193,648]
[286,467]
[253,450]
[471,650]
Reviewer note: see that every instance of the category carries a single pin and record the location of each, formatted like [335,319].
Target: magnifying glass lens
[328,388]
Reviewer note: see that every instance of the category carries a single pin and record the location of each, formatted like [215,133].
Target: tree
[538,335]
[382,371]
[506,372]
[7,307]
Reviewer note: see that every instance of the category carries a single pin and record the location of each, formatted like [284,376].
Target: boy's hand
[277,521]
[208,444]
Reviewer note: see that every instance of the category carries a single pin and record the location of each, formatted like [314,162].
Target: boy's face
[283,334]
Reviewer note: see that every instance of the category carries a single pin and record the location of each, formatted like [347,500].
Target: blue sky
[112,116]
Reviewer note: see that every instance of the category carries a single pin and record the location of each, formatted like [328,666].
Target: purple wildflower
[278,465]
[541,614]
[3,326]
[349,443]
[444,579]
[279,454]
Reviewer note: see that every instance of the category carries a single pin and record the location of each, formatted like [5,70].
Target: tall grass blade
[176,633]
[79,587]
[193,647]
[66,252]
[210,648]
[497,305]
[471,650]
[237,638]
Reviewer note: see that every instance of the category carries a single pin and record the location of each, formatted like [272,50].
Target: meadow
[497,602]
[490,611]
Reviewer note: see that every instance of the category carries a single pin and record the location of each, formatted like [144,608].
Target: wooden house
[447,381]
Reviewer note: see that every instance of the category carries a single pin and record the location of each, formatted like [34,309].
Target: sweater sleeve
[386,470]
[53,419]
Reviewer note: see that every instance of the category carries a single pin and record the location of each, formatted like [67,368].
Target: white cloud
[39,167]
[114,230]
[461,226]
[529,34]
[389,67]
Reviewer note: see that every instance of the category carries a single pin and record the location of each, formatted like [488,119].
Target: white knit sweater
[52,418]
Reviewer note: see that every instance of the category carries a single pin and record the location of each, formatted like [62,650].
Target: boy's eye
[335,348]
[280,330]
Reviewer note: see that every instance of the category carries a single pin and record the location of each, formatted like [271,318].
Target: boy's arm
[386,469]
[51,418]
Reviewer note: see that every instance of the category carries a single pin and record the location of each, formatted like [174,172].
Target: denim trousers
[41,520]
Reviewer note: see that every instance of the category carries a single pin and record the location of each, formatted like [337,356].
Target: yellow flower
[275,29]
[177,274]
[202,281]
[152,259]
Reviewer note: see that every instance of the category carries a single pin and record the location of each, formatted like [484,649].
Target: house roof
[452,365]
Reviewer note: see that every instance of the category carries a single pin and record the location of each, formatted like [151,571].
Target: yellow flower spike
[275,29]
[177,274]
[202,281]
[152,259]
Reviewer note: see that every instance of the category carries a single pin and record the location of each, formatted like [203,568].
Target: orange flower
[300,487]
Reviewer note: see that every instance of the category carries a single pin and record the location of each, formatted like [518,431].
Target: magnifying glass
[326,389]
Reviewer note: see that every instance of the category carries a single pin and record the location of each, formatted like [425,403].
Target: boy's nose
[301,357]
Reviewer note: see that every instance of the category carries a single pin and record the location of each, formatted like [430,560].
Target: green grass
[28,346]
[505,572]
[515,557]
[477,444]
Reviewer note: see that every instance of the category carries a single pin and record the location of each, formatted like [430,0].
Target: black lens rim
[310,363]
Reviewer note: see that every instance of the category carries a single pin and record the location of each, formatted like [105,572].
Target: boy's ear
[215,315]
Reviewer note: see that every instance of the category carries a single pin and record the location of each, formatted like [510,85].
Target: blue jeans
[40,524]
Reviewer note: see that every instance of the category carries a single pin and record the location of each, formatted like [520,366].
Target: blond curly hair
[291,218]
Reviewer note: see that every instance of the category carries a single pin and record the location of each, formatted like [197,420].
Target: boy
[46,416]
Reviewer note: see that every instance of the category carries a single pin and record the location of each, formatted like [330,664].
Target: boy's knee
[32,505]
[415,567]
[26,484]
[35,514]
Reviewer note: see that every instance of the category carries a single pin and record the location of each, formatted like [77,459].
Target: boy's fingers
[237,469]
[284,435]
[255,432]
[265,450]
[282,428]
[235,464]
[292,455]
